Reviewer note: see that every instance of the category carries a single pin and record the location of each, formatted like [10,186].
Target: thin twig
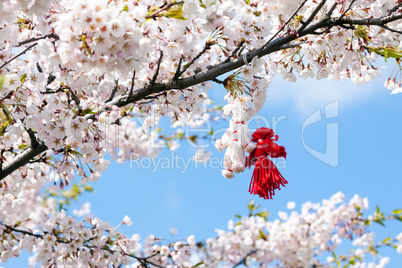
[7,96]
[286,23]
[75,99]
[347,10]
[34,141]
[205,49]
[312,16]
[51,35]
[331,10]
[16,56]
[391,30]
[243,261]
[49,91]
[157,70]
[280,30]
[217,81]
[177,73]
[163,8]
[395,8]
[130,93]
[235,51]
[116,87]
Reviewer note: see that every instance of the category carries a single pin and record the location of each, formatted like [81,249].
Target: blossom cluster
[295,239]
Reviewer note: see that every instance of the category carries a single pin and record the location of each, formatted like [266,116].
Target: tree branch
[16,56]
[391,30]
[241,43]
[243,261]
[283,26]
[280,43]
[34,141]
[312,16]
[116,86]
[142,260]
[347,10]
[157,70]
[163,8]
[22,159]
[205,49]
[51,35]
[130,92]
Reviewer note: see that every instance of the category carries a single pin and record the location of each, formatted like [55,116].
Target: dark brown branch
[391,30]
[51,35]
[331,10]
[49,91]
[243,261]
[157,70]
[235,51]
[163,8]
[283,26]
[22,231]
[130,93]
[75,99]
[116,87]
[34,141]
[22,159]
[7,96]
[177,73]
[205,49]
[347,10]
[218,81]
[395,8]
[16,56]
[312,16]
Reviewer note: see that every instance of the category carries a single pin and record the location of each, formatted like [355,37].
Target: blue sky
[198,200]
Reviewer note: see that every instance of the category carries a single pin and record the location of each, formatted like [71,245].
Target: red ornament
[266,177]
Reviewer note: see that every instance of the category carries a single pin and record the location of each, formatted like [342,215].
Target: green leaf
[23,78]
[2,81]
[3,127]
[251,206]
[387,52]
[362,32]
[23,146]
[263,214]
[89,188]
[88,111]
[175,12]
[358,208]
[386,240]
[379,222]
[202,4]
[397,211]
[198,264]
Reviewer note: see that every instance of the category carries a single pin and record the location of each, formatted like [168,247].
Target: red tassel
[266,177]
